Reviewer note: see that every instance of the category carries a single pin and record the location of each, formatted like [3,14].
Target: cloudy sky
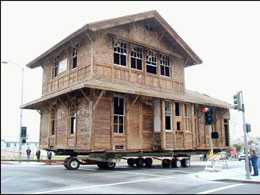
[225,35]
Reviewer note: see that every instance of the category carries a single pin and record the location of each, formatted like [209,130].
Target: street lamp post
[21,111]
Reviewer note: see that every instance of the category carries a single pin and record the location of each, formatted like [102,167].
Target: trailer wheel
[166,163]
[176,163]
[66,163]
[185,162]
[73,163]
[139,162]
[131,162]
[148,162]
[101,165]
[109,165]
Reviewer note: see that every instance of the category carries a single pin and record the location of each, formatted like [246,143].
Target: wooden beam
[100,95]
[132,104]
[186,61]
[62,102]
[162,35]
[70,100]
[84,94]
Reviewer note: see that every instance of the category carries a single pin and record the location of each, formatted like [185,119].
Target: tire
[139,162]
[109,165]
[166,163]
[131,162]
[148,162]
[101,165]
[73,163]
[176,163]
[185,162]
[66,163]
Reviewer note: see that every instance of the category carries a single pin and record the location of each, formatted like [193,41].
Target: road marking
[142,174]
[94,186]
[218,189]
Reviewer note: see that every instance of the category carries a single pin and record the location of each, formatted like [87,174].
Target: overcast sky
[225,35]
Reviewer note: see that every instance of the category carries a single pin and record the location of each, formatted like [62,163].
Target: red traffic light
[204,110]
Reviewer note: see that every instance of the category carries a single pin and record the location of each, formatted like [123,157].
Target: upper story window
[177,109]
[55,67]
[151,65]
[165,65]
[74,53]
[120,52]
[137,57]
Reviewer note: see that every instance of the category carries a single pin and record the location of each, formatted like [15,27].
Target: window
[168,116]
[177,109]
[53,123]
[187,115]
[118,115]
[74,57]
[120,53]
[136,57]
[55,67]
[14,144]
[151,65]
[165,65]
[73,121]
[226,129]
[178,126]
[7,145]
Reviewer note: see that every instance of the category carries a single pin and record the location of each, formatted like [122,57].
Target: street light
[21,111]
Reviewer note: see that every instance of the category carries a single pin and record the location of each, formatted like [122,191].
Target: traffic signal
[23,131]
[237,102]
[248,128]
[208,111]
[23,141]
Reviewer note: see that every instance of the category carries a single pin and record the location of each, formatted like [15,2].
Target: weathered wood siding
[69,77]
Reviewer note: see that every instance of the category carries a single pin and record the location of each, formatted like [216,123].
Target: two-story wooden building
[118,86]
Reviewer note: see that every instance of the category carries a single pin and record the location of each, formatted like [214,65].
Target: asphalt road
[35,178]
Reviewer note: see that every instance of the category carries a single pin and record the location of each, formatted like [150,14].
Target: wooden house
[118,86]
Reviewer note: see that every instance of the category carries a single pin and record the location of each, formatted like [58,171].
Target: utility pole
[239,105]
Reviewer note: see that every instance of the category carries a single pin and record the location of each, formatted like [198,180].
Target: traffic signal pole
[239,105]
[245,139]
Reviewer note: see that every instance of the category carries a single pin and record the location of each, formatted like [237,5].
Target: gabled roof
[96,26]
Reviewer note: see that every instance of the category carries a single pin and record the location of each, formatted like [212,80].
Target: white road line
[142,174]
[94,186]
[218,189]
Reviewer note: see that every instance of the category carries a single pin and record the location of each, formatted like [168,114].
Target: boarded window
[168,116]
[187,115]
[151,65]
[55,67]
[73,121]
[137,57]
[119,115]
[74,57]
[165,65]
[120,53]
[177,109]
[53,122]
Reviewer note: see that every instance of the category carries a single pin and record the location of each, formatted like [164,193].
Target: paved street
[39,178]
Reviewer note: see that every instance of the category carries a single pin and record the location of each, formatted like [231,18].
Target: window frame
[180,112]
[73,115]
[74,55]
[169,115]
[55,68]
[118,115]
[120,53]
[53,122]
[187,116]
[165,63]
[151,63]
[136,58]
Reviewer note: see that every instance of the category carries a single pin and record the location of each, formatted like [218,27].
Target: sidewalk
[234,175]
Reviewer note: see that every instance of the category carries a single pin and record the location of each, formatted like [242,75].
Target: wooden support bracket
[186,61]
[132,104]
[84,94]
[162,36]
[70,100]
[100,95]
[62,102]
